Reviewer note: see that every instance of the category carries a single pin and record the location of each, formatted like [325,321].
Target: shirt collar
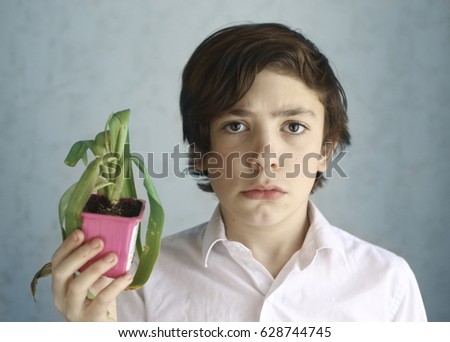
[215,232]
[320,236]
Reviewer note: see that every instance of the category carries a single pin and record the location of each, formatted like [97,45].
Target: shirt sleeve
[131,307]
[410,307]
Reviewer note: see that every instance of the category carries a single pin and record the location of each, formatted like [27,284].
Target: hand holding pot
[70,293]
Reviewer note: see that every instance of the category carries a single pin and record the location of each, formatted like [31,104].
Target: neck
[272,245]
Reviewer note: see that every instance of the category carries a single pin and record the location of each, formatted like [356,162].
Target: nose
[265,156]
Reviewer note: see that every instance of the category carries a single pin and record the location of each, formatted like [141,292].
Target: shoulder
[356,251]
[182,248]
[185,237]
[377,270]
[196,241]
[367,257]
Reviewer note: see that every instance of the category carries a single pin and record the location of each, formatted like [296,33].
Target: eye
[294,128]
[234,127]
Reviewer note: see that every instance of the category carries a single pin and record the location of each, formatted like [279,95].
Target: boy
[261,108]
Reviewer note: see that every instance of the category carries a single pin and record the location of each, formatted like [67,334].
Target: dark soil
[126,207]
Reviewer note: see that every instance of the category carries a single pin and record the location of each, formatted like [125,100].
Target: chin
[262,215]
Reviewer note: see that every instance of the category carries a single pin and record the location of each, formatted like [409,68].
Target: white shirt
[202,276]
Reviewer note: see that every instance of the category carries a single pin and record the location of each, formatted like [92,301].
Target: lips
[264,193]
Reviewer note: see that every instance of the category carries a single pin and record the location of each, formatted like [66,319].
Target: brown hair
[223,67]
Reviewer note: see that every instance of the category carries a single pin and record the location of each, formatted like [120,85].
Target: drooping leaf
[80,195]
[99,146]
[151,248]
[129,187]
[62,206]
[45,271]
[78,151]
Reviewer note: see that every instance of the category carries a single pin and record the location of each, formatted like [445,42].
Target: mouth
[264,193]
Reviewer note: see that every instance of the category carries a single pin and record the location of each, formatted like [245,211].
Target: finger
[59,281]
[100,284]
[73,241]
[64,270]
[74,261]
[98,307]
[78,288]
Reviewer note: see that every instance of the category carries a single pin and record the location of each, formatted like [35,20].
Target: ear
[327,152]
[201,164]
[198,159]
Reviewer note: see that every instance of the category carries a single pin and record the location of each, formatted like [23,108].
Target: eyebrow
[282,112]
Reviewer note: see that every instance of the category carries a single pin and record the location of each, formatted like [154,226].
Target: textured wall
[64,66]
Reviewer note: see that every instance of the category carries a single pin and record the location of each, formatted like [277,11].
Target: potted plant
[103,202]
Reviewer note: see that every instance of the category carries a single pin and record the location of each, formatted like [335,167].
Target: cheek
[304,160]
[299,165]
[223,166]
[290,162]
[311,165]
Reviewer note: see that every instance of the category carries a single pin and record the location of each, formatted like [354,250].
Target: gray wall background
[66,65]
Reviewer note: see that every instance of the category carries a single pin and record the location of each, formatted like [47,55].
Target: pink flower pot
[118,234]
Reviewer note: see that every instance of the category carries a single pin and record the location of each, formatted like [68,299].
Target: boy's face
[266,151]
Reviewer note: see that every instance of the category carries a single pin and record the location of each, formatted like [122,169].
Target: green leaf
[80,195]
[129,188]
[150,251]
[62,206]
[118,128]
[101,183]
[78,151]
[99,145]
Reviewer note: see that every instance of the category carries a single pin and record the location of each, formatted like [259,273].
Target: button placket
[261,278]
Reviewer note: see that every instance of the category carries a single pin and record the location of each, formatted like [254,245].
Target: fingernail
[96,243]
[110,258]
[128,277]
[75,237]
